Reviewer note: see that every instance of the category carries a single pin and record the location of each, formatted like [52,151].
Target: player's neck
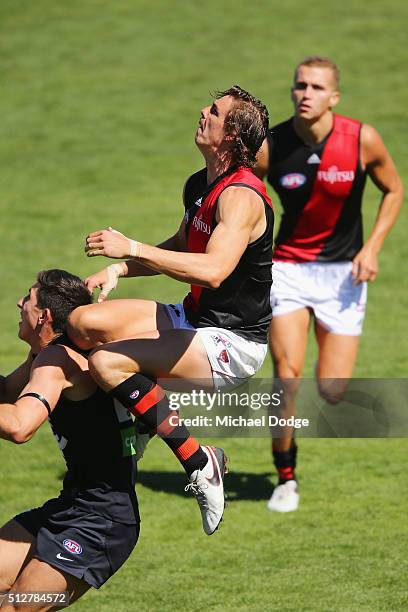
[313,132]
[45,337]
[217,166]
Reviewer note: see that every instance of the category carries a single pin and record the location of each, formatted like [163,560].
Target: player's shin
[148,402]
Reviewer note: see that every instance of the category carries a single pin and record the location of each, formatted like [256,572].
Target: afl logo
[293,180]
[134,394]
[72,547]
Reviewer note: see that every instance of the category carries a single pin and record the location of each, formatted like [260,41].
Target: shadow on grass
[238,485]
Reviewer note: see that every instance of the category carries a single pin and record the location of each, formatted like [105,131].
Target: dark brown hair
[248,122]
[61,292]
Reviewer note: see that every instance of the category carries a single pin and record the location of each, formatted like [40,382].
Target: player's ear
[334,98]
[45,316]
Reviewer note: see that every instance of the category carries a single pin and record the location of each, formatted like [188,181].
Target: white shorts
[232,358]
[326,288]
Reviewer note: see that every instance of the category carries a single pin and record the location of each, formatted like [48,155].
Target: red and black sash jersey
[320,188]
[95,436]
[241,303]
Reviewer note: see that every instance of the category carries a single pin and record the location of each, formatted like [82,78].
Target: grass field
[99,105]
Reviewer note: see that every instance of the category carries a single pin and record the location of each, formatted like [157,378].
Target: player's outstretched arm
[382,171]
[115,243]
[20,420]
[240,215]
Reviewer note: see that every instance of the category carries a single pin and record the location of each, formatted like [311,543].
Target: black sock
[148,402]
[285,462]
[294,450]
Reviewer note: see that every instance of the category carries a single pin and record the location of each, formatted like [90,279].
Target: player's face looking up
[211,127]
[30,314]
[314,92]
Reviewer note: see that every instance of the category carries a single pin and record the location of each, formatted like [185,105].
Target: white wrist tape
[134,248]
[114,272]
[117,268]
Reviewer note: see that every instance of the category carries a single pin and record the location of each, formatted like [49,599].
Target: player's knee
[6,602]
[332,390]
[8,607]
[287,382]
[287,372]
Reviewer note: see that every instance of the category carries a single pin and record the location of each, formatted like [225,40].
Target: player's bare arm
[20,420]
[12,384]
[107,279]
[382,171]
[240,219]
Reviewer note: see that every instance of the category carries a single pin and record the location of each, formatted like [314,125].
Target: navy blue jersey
[96,436]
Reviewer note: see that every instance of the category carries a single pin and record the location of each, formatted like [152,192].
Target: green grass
[345,549]
[98,107]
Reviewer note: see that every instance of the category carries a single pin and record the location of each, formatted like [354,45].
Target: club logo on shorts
[72,546]
[292,180]
[224,357]
[219,339]
[134,394]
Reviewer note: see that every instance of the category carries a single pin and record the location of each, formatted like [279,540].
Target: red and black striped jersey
[241,303]
[320,188]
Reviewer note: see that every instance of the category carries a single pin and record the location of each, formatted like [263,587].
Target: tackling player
[317,162]
[82,537]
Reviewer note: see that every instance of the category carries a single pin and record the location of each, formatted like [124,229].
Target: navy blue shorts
[78,541]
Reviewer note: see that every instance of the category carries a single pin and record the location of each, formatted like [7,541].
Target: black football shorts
[79,542]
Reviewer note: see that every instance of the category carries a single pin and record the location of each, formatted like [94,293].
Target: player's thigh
[16,550]
[175,354]
[336,360]
[337,353]
[40,576]
[287,341]
[97,324]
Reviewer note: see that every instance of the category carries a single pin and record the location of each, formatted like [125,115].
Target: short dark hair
[61,292]
[248,120]
[321,61]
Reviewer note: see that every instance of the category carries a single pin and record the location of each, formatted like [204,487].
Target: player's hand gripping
[106,280]
[110,243]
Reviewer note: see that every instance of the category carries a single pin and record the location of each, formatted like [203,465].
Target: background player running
[83,536]
[317,162]
[223,248]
